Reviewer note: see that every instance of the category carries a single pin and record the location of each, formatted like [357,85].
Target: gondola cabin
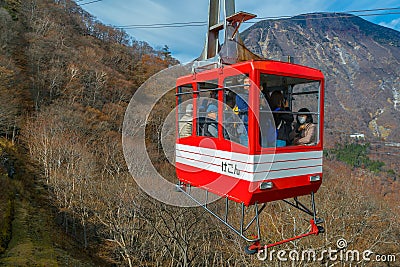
[227,134]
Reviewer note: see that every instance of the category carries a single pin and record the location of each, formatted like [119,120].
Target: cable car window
[185,110]
[207,109]
[266,120]
[300,102]
[305,104]
[235,112]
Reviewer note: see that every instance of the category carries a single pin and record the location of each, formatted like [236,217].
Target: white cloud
[394,24]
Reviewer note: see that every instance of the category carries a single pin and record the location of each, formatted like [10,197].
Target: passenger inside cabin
[267,129]
[214,94]
[211,123]
[242,100]
[283,118]
[186,122]
[211,100]
[229,124]
[305,129]
[265,97]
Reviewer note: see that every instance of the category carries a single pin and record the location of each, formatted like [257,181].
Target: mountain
[360,61]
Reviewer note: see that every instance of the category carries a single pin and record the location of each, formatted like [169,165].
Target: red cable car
[230,113]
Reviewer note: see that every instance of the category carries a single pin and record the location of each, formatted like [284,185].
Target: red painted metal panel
[242,190]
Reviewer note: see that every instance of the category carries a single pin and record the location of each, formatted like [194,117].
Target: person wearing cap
[186,122]
[212,120]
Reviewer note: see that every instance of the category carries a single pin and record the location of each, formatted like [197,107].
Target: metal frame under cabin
[264,174]
[250,220]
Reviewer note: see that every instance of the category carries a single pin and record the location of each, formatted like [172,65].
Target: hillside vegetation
[65,82]
[356,156]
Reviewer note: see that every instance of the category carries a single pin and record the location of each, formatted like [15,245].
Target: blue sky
[186,43]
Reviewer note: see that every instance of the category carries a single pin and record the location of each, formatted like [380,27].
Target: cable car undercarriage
[315,229]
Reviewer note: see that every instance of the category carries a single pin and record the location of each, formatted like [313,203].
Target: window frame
[232,89]
[317,115]
[178,96]
[198,91]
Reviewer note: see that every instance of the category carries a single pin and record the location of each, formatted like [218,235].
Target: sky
[186,43]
